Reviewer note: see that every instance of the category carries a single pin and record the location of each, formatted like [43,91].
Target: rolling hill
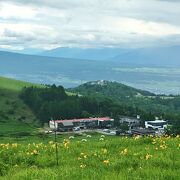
[110,89]
[129,96]
[15,117]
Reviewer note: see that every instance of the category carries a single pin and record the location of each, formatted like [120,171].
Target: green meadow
[15,85]
[15,116]
[90,157]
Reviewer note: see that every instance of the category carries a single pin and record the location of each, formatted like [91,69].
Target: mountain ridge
[149,56]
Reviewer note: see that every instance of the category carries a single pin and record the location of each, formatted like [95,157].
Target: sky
[38,25]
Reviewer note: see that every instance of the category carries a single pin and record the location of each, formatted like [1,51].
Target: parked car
[113,132]
[120,132]
[106,130]
[76,129]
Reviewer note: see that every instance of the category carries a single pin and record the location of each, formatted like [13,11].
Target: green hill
[126,95]
[15,117]
[112,89]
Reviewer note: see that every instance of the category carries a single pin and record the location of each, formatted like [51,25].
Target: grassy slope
[15,116]
[108,158]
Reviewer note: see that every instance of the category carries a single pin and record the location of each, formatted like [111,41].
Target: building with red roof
[83,123]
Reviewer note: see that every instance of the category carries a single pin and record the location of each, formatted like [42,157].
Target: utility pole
[56,145]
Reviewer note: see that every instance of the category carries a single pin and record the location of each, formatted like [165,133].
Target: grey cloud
[84,19]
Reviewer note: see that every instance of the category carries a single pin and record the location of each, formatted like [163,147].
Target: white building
[157,124]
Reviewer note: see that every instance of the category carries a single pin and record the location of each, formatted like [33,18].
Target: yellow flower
[53,146]
[163,146]
[124,152]
[104,151]
[106,162]
[14,145]
[137,137]
[82,166]
[148,156]
[83,155]
[34,152]
[66,145]
[51,142]
[66,141]
[154,141]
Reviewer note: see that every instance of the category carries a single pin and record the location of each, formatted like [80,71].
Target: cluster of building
[84,123]
[134,126]
[150,127]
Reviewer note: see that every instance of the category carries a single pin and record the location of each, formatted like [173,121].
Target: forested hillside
[125,95]
[53,102]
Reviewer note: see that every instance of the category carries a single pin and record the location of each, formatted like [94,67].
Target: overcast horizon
[36,26]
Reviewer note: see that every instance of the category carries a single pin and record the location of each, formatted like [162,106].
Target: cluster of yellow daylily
[103,152]
[8,145]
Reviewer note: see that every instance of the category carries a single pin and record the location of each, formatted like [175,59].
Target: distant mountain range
[82,53]
[161,56]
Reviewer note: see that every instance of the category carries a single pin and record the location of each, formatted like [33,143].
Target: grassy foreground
[92,157]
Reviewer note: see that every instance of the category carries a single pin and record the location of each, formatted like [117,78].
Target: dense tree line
[53,102]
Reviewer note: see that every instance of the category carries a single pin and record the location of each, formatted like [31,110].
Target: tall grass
[92,157]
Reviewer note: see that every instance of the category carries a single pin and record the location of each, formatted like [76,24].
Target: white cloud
[8,10]
[95,23]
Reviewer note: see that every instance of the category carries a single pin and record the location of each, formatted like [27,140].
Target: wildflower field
[91,157]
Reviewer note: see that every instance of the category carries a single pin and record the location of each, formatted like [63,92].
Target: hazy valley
[73,72]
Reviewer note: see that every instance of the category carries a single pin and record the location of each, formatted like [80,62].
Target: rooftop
[156,121]
[84,119]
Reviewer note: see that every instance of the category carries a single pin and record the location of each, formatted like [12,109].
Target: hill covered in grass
[15,117]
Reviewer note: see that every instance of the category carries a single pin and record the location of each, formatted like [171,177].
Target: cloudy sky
[47,24]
